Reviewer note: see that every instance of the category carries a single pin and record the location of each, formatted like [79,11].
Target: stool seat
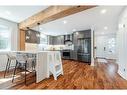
[12,58]
[25,60]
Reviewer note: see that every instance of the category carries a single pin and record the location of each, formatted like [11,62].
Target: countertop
[5,52]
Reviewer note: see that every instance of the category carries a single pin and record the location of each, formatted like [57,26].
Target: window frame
[9,37]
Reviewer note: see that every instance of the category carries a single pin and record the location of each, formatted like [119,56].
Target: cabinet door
[84,34]
[58,40]
[74,55]
[50,40]
[75,40]
[61,39]
[55,42]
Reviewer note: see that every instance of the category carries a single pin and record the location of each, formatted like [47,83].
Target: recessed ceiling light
[105,28]
[76,33]
[7,12]
[64,21]
[103,11]
[74,30]
[40,28]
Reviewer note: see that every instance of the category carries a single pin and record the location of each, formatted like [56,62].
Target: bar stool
[55,64]
[24,60]
[9,61]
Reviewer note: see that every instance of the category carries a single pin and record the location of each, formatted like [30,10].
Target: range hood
[68,38]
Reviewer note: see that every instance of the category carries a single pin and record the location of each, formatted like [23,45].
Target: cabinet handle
[104,48]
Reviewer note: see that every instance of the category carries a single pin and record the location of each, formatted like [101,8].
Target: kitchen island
[42,63]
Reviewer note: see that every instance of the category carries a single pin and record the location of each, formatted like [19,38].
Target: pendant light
[28,36]
[38,27]
[38,30]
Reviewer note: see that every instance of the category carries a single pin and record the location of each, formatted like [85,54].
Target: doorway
[105,47]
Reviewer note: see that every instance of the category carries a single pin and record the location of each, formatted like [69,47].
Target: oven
[66,54]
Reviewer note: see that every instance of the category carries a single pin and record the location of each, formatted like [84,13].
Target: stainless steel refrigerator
[84,50]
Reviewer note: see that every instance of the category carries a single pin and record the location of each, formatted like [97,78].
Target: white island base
[42,65]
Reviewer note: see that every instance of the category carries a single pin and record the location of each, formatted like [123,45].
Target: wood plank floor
[78,75]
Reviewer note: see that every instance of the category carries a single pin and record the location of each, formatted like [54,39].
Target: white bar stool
[26,65]
[11,58]
[55,64]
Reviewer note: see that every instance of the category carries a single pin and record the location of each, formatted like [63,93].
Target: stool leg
[9,65]
[25,73]
[14,71]
[6,68]
[55,77]
[61,69]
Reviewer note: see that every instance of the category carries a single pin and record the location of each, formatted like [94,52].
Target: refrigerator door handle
[104,48]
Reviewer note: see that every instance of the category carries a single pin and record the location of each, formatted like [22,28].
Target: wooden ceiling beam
[50,14]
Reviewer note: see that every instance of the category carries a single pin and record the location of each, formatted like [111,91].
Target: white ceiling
[19,13]
[85,20]
[91,18]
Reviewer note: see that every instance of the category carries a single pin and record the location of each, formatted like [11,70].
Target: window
[4,38]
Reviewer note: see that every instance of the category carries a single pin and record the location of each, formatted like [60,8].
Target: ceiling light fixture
[40,28]
[77,33]
[105,28]
[64,21]
[103,11]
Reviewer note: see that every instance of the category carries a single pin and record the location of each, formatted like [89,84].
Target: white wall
[13,27]
[122,44]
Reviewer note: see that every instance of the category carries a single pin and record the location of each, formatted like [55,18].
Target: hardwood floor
[78,75]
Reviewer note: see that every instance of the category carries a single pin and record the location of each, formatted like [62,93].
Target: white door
[111,48]
[100,47]
[105,47]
